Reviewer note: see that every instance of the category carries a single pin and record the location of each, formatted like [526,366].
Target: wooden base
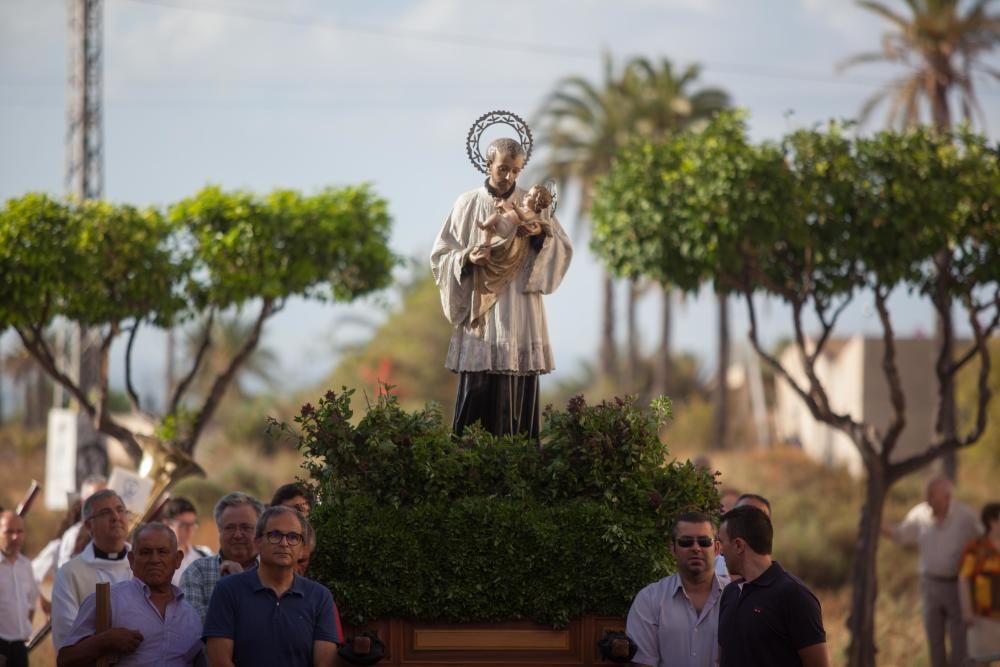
[412,643]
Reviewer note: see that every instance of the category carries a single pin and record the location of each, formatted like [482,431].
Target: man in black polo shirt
[770,619]
[270,616]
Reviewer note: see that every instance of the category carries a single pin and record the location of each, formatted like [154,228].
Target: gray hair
[503,146]
[275,510]
[153,525]
[235,499]
[88,504]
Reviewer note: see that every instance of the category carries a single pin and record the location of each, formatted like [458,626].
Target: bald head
[939,492]
[11,534]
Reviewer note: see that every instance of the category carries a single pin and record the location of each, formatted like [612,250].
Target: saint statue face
[504,170]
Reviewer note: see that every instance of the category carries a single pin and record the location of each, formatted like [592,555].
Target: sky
[260,94]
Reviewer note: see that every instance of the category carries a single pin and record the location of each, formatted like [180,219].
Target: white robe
[514,337]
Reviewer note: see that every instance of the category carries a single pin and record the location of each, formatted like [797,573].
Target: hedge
[416,522]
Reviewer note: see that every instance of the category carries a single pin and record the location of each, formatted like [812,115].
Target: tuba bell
[165,464]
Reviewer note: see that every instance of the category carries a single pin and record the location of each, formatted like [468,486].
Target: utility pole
[85,181]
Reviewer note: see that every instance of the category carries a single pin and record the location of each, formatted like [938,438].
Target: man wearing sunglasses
[674,622]
[270,615]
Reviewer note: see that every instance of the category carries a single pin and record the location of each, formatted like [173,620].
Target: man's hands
[229,567]
[121,640]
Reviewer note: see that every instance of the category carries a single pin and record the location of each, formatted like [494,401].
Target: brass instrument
[166,465]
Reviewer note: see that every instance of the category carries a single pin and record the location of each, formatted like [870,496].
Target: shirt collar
[678,585]
[4,559]
[144,587]
[297,587]
[768,576]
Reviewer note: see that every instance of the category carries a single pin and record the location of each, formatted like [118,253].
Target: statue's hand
[530,228]
[479,255]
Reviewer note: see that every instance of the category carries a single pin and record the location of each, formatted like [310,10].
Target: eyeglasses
[704,541]
[231,528]
[275,537]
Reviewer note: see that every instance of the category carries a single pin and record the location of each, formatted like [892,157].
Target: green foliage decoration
[422,524]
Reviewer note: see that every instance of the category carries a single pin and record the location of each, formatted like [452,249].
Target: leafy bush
[419,523]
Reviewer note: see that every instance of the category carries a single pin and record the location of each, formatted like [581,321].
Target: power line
[506,45]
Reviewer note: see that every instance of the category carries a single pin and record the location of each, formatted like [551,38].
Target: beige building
[850,370]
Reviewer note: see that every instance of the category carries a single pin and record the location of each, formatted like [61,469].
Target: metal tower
[85,127]
[85,180]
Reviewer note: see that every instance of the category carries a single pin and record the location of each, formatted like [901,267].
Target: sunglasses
[704,541]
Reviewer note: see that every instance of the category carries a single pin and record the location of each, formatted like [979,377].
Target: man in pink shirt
[151,624]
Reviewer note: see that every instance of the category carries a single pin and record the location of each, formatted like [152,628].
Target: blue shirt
[267,630]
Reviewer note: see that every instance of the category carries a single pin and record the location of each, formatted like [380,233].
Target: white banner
[60,458]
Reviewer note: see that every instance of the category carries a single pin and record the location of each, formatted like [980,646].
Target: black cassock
[503,403]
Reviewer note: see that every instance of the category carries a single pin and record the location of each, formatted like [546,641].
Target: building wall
[855,384]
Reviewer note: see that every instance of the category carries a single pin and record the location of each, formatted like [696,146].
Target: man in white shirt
[18,592]
[940,528]
[182,517]
[674,622]
[103,559]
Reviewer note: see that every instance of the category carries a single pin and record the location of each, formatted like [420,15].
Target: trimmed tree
[817,221]
[116,268]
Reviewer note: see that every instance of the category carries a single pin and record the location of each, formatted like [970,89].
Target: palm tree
[582,127]
[941,49]
[667,106]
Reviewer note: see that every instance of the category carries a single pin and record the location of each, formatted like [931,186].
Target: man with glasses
[270,615]
[181,516]
[103,559]
[674,622]
[236,517]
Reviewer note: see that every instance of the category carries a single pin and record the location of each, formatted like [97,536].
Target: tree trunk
[663,372]
[944,327]
[609,361]
[632,382]
[864,578]
[721,425]
[944,333]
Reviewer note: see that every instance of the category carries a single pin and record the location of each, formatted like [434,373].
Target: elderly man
[499,356]
[151,624]
[236,517]
[674,622]
[771,619]
[18,592]
[103,559]
[940,528]
[269,615]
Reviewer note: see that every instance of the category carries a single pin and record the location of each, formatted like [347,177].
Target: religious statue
[492,261]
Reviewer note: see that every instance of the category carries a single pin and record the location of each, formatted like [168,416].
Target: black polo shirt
[769,622]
